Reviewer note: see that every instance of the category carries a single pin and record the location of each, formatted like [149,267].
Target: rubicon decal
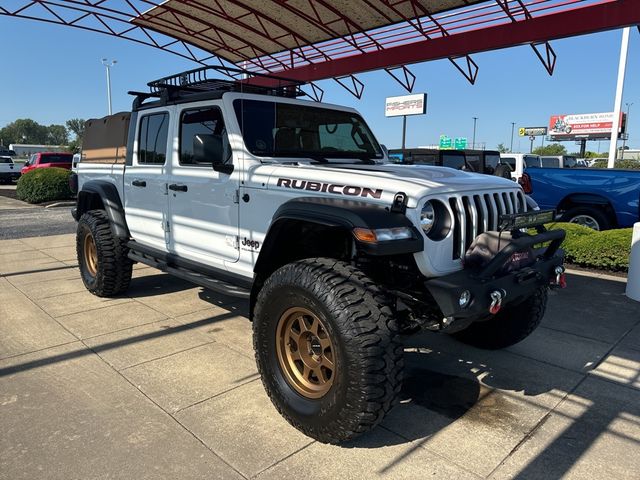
[350,190]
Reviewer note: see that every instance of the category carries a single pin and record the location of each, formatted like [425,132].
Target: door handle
[178,188]
[139,183]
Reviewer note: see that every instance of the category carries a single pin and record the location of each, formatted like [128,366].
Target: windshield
[272,129]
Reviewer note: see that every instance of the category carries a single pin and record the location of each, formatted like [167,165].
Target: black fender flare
[108,194]
[344,214]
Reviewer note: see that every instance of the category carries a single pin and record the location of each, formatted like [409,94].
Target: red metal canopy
[310,40]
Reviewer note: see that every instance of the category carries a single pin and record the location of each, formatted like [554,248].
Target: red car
[48,159]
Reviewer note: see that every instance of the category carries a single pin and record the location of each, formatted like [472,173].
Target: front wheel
[509,326]
[102,257]
[326,348]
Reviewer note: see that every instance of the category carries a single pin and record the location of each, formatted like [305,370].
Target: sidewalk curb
[602,276]
[61,204]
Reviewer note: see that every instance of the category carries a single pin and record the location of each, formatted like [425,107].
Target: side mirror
[224,165]
[224,168]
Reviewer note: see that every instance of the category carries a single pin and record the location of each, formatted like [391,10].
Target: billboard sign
[415,104]
[532,131]
[587,125]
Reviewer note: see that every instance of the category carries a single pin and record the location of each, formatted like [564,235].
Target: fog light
[465,299]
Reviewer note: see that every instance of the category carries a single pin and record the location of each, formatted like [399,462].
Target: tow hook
[496,301]
[560,281]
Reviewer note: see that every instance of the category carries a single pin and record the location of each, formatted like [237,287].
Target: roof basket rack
[200,80]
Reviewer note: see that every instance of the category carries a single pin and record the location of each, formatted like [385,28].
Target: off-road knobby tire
[114,266]
[509,326]
[369,356]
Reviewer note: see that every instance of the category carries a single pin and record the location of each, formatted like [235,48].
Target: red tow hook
[560,281]
[496,301]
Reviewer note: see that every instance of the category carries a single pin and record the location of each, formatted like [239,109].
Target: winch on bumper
[475,293]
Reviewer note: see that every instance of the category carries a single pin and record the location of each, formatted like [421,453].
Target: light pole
[473,141]
[108,64]
[513,125]
[626,135]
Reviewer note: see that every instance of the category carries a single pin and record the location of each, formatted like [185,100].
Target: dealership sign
[587,125]
[532,131]
[406,105]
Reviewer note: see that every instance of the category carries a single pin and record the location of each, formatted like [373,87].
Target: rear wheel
[102,257]
[326,348]
[591,217]
[509,326]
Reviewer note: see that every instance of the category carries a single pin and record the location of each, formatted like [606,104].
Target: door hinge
[236,196]
[166,189]
[167,226]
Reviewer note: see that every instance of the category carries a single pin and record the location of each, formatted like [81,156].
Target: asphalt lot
[19,219]
[161,383]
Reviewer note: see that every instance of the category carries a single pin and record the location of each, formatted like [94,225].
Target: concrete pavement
[161,383]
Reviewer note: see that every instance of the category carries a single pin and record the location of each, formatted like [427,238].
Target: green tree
[58,135]
[551,149]
[24,130]
[76,126]
[501,148]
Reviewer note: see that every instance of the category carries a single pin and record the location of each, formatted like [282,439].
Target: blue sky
[53,73]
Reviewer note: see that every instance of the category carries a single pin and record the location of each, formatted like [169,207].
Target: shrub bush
[628,164]
[44,185]
[608,250]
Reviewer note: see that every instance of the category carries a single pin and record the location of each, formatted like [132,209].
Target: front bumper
[515,286]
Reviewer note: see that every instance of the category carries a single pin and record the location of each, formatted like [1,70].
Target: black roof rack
[183,85]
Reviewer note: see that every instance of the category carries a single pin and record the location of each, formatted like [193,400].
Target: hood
[383,181]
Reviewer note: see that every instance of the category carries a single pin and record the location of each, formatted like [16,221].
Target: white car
[294,206]
[9,171]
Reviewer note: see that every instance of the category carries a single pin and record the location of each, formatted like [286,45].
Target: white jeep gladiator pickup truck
[254,193]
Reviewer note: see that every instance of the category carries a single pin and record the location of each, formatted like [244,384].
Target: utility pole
[108,64]
[404,131]
[513,125]
[615,125]
[473,142]
[625,136]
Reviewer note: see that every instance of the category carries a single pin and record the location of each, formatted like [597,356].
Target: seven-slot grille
[475,214]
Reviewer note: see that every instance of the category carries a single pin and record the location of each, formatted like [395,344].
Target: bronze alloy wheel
[305,352]
[90,254]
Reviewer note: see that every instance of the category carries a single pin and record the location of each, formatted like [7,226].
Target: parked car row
[11,171]
[479,161]
[597,198]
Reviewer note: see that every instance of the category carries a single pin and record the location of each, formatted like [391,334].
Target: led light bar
[526,220]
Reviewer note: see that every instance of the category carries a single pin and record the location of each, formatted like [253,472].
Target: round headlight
[427,217]
[435,220]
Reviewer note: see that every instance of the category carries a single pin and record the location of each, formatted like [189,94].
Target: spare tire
[503,170]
